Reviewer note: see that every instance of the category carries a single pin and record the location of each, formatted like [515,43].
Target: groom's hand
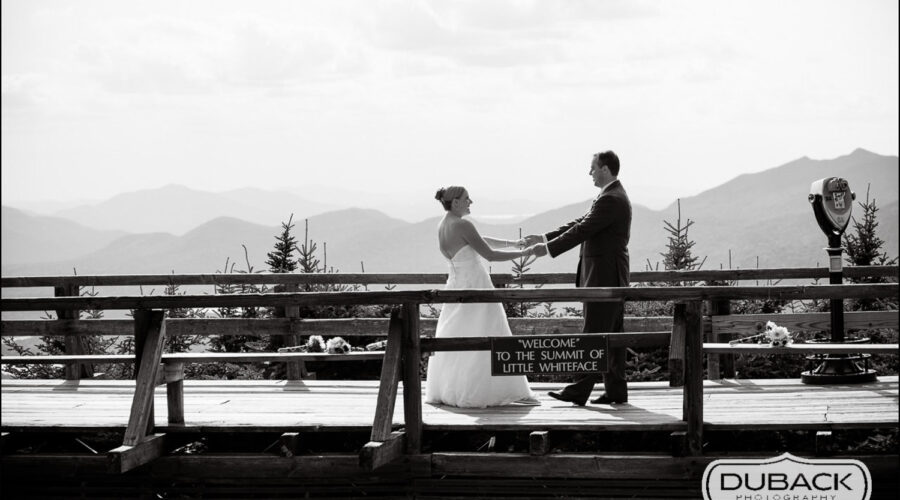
[539,250]
[533,239]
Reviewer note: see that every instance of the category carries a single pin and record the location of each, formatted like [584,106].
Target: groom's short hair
[610,160]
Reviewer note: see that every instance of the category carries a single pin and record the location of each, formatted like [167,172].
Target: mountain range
[177,209]
[761,219]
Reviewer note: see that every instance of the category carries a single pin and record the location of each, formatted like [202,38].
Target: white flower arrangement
[316,343]
[778,336]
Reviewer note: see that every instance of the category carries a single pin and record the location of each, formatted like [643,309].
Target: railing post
[75,344]
[412,380]
[677,347]
[149,338]
[385,445]
[175,391]
[689,315]
[719,365]
[295,370]
[140,445]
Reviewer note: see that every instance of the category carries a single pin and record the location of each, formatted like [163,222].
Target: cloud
[263,54]
[501,35]
[152,55]
[190,56]
[23,92]
[383,84]
[464,33]
[530,16]
[127,52]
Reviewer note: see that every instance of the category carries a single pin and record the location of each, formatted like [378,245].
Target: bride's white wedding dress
[463,378]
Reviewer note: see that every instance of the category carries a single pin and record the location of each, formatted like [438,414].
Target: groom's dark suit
[603,234]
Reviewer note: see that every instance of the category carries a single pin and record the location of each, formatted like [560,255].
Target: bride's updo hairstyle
[446,195]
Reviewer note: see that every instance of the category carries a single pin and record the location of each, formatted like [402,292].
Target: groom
[603,234]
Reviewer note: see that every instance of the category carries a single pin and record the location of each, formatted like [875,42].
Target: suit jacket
[603,233]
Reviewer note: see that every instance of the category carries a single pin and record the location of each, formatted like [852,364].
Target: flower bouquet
[776,336]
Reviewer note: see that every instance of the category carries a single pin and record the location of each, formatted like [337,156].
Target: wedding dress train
[463,378]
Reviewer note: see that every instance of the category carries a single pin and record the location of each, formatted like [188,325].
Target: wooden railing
[684,332]
[433,278]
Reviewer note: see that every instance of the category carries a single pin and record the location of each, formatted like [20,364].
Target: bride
[463,378]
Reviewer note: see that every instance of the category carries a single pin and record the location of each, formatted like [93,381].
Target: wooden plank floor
[280,406]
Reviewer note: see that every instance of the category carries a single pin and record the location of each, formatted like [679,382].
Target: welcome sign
[557,354]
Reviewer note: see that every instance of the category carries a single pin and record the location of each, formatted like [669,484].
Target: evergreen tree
[307,261]
[227,289]
[864,248]
[678,255]
[281,258]
[232,343]
[863,245]
[281,261]
[48,345]
[652,363]
[238,343]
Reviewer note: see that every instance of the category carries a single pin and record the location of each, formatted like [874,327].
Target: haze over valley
[755,219]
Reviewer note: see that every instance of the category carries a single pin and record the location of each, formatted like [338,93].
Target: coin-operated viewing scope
[832,202]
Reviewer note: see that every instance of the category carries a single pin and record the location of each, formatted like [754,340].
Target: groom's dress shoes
[606,400]
[568,398]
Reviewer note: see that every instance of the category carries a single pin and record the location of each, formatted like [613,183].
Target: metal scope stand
[832,209]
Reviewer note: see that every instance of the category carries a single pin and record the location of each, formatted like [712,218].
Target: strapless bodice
[467,270]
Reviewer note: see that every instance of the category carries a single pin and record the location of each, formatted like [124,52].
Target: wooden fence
[409,335]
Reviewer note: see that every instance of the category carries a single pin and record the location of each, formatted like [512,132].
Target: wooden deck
[310,405]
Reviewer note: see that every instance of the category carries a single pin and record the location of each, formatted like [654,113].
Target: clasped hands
[534,243]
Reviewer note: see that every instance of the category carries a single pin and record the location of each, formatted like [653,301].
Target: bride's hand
[538,250]
[532,239]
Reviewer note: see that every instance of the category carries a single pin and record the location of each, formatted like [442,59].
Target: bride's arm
[498,243]
[478,243]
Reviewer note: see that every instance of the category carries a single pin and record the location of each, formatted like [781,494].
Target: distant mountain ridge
[772,206]
[31,238]
[411,207]
[786,187]
[176,209]
[764,216]
[209,247]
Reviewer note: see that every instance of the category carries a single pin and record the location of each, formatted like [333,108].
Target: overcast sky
[510,98]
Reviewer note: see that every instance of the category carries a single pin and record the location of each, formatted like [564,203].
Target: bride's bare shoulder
[454,223]
[466,225]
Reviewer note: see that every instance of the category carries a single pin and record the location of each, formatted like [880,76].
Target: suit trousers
[604,317]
